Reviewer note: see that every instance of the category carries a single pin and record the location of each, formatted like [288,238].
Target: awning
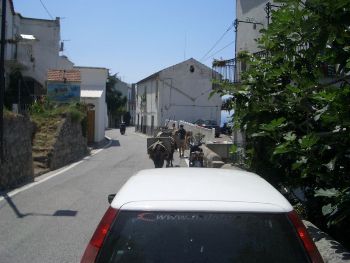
[28,37]
[91,93]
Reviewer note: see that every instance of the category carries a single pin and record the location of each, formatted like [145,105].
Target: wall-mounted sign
[63,92]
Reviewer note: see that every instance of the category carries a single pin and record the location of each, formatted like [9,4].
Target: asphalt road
[53,219]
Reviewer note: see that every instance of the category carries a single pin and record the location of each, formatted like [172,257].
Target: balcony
[224,71]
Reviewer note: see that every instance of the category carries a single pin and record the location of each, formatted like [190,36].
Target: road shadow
[99,145]
[19,214]
[104,144]
[114,143]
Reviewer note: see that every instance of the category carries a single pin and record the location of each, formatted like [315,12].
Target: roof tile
[72,75]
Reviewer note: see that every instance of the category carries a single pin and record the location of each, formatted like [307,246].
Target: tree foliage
[114,98]
[17,91]
[296,119]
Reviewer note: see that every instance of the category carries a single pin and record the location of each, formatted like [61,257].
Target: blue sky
[136,38]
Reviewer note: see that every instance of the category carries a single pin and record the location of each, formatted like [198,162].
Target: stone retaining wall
[17,167]
[70,144]
[211,159]
[209,134]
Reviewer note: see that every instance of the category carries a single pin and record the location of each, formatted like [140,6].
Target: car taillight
[309,245]
[98,237]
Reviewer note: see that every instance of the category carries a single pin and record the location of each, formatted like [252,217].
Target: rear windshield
[201,237]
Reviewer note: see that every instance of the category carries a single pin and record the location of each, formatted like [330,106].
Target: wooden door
[91,126]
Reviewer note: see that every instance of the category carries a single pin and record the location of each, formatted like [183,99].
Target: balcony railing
[224,70]
[231,70]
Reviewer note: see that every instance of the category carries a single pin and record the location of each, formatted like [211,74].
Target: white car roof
[199,189]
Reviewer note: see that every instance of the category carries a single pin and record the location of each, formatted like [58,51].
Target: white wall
[95,79]
[185,95]
[178,94]
[64,63]
[253,11]
[152,100]
[41,54]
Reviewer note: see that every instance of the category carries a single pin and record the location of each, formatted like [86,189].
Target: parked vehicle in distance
[196,158]
[227,128]
[209,124]
[199,215]
[122,128]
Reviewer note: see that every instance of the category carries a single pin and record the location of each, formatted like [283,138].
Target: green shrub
[44,109]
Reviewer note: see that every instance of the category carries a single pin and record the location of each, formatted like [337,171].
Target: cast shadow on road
[105,144]
[19,214]
[114,143]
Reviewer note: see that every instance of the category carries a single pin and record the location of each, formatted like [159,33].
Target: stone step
[37,164]
[42,146]
[42,137]
[52,129]
[42,158]
[38,149]
[39,171]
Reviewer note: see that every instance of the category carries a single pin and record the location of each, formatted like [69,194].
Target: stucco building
[32,48]
[251,17]
[179,92]
[93,93]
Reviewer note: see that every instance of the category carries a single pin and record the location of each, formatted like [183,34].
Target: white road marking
[39,180]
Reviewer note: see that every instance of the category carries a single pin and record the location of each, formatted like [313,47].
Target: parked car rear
[200,215]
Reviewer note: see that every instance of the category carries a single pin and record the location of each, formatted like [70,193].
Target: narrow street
[52,221]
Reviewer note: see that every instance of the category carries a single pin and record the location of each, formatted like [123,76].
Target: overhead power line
[218,41]
[229,44]
[47,11]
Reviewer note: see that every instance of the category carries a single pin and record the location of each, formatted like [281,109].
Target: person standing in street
[182,135]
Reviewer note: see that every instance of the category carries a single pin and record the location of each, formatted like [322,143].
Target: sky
[136,38]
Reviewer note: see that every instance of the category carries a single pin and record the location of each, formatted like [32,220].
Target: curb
[212,160]
[330,249]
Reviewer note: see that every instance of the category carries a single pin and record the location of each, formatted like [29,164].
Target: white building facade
[251,17]
[32,48]
[93,93]
[41,53]
[180,92]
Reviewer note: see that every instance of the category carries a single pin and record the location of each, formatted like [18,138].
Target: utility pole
[236,24]
[268,10]
[2,77]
